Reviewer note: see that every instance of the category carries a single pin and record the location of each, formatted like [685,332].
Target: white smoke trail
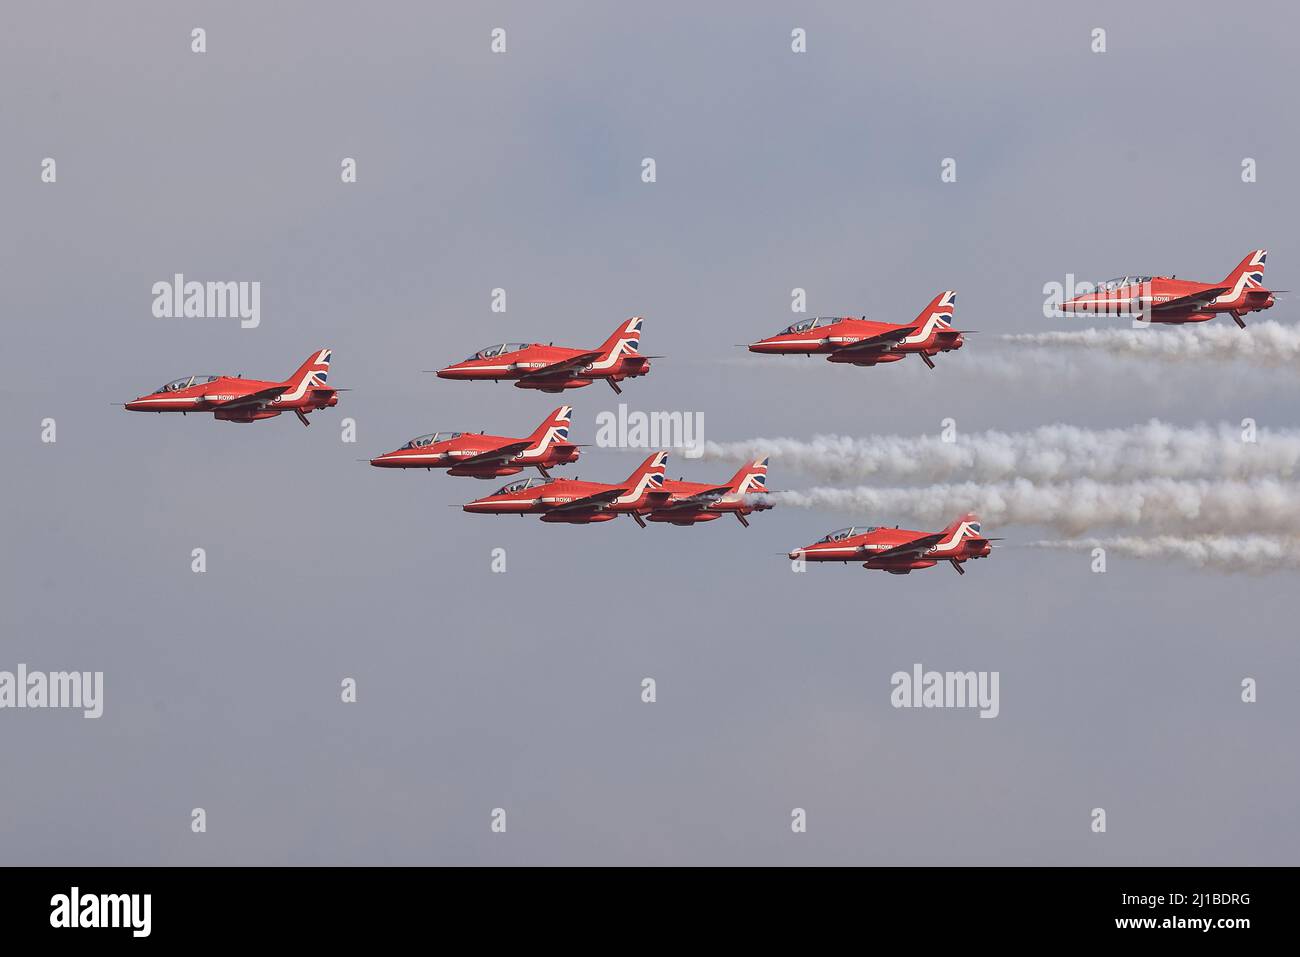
[1046,454]
[1269,343]
[1249,553]
[1174,506]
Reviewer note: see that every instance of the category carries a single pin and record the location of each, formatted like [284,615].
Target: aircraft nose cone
[793,555]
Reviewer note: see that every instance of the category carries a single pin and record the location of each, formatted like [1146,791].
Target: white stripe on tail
[1248,275]
[312,374]
[625,341]
[555,428]
[751,478]
[968,526]
[648,477]
[936,317]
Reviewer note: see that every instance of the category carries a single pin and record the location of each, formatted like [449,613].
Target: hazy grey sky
[522,690]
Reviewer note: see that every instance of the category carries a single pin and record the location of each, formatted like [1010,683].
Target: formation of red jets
[647,495]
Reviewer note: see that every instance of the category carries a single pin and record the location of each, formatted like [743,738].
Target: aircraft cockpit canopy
[804,325]
[842,533]
[491,352]
[184,382]
[1121,282]
[521,485]
[433,437]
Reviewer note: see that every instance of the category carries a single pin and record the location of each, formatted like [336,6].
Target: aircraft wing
[1197,298]
[591,501]
[908,549]
[492,455]
[564,365]
[699,499]
[882,341]
[254,398]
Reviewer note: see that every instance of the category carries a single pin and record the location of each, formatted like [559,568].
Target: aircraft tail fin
[554,428]
[1249,273]
[965,526]
[752,477]
[312,374]
[626,340]
[649,475]
[940,310]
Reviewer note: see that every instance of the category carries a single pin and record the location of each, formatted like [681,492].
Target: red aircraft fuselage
[900,550]
[550,368]
[488,456]
[236,399]
[576,502]
[690,503]
[1170,300]
[862,342]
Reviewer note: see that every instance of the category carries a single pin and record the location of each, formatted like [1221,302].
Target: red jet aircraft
[898,550]
[692,502]
[576,502]
[862,342]
[236,399]
[488,456]
[1166,299]
[552,368]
